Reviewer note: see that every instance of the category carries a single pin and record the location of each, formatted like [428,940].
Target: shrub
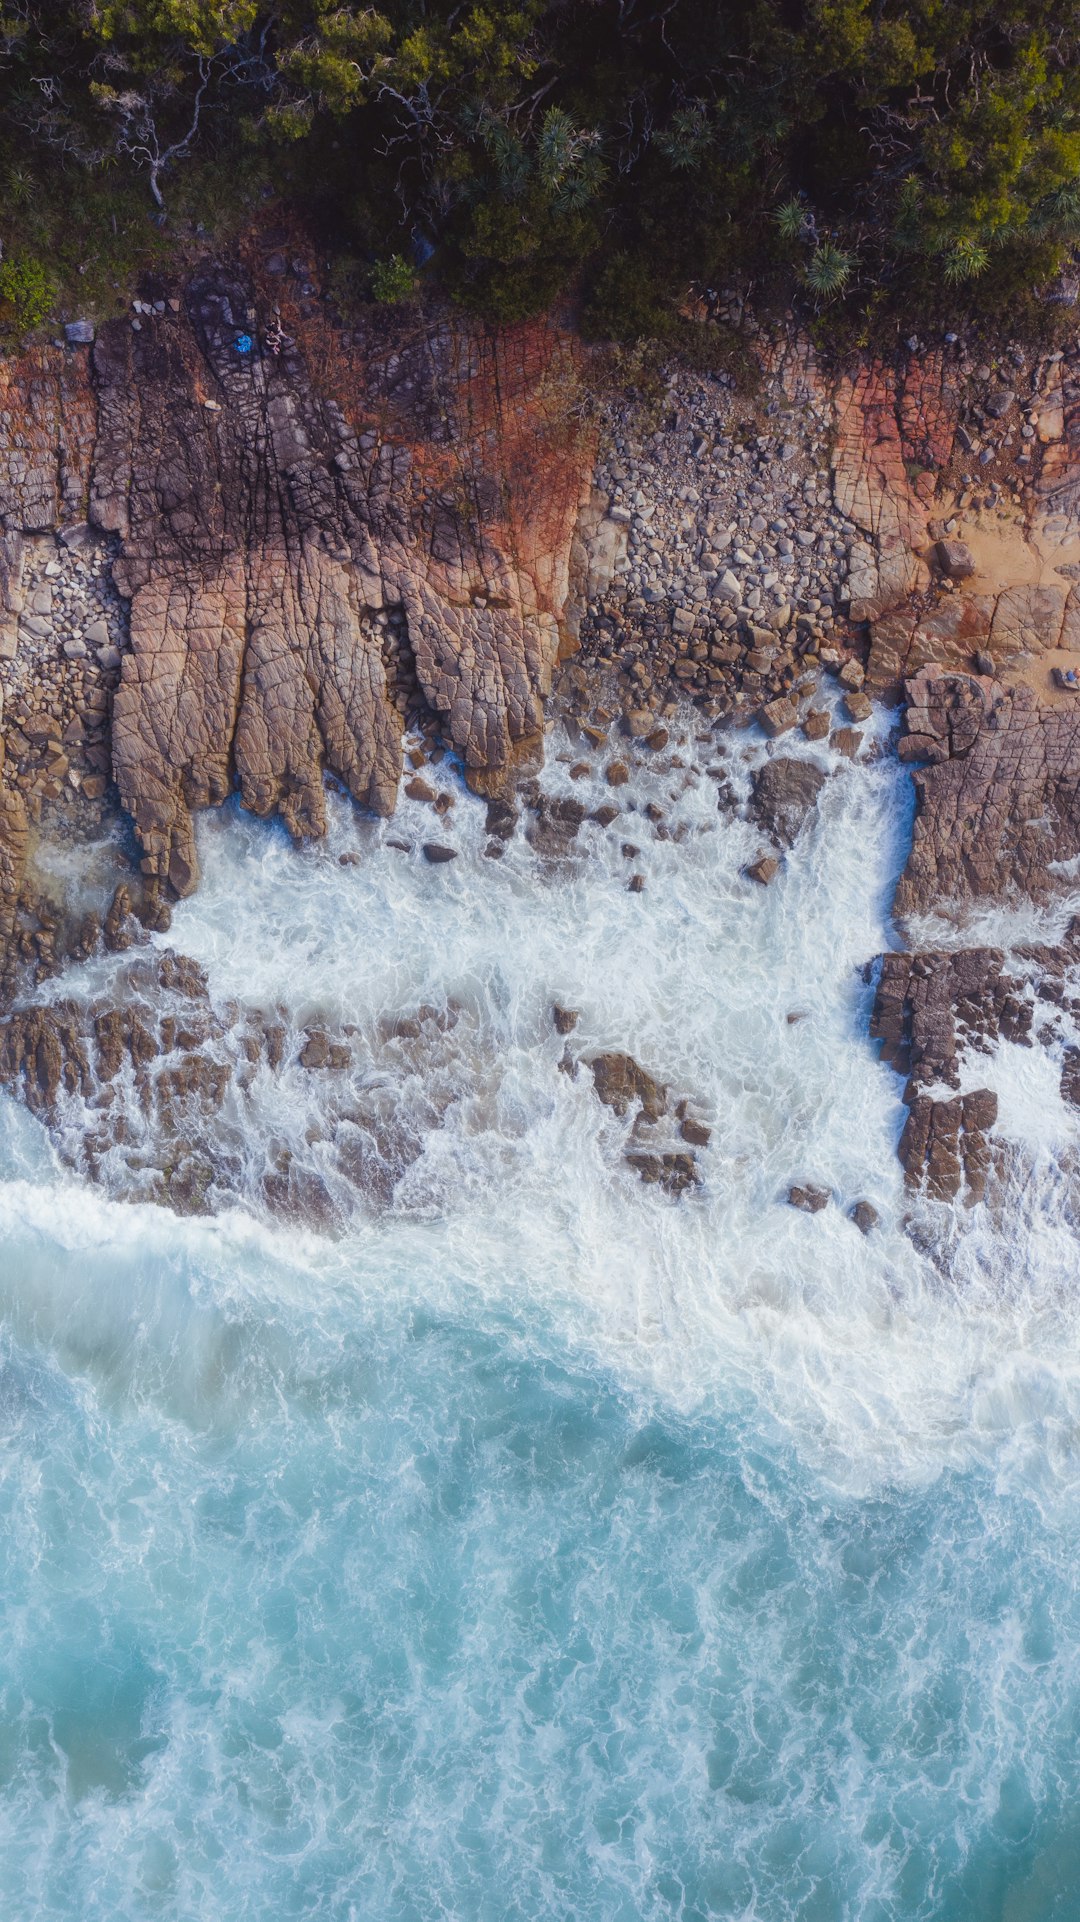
[393,280]
[27,292]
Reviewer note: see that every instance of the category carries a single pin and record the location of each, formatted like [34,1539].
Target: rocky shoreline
[230,570]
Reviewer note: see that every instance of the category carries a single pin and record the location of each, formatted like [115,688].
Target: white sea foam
[877,1363]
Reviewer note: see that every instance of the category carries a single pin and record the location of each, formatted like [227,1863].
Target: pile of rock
[59,666]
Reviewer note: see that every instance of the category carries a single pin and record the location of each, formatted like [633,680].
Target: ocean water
[531,1544]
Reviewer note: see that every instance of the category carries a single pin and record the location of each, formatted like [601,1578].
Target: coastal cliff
[236,561]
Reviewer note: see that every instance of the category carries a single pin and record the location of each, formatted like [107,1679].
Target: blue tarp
[244,343]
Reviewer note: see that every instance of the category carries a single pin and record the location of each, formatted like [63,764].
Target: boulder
[778,716]
[785,793]
[955,560]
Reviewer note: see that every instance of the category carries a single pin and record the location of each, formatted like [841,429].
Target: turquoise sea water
[541,1548]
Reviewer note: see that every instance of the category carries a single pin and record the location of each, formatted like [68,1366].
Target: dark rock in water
[763,870]
[810,1199]
[419,790]
[437,854]
[44,1048]
[817,724]
[846,741]
[501,819]
[120,929]
[865,1216]
[315,1052]
[565,1019]
[636,884]
[604,816]
[928,1009]
[785,793]
[617,774]
[319,1051]
[695,1132]
[1070,1077]
[557,822]
[673,1172]
[620,1082]
[944,1142]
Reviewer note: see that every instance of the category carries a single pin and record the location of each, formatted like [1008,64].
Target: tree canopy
[850,150]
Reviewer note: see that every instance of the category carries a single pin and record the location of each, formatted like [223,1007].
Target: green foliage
[392,280]
[27,291]
[625,303]
[828,270]
[966,259]
[847,153]
[790,220]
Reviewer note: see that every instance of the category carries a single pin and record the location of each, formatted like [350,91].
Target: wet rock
[673,1172]
[865,1216]
[779,716]
[695,1132]
[315,1052]
[1070,1077]
[810,1199]
[616,774]
[120,928]
[565,1019]
[555,826]
[501,819]
[784,795]
[817,724]
[437,854]
[846,741]
[419,790]
[763,870]
[621,1083]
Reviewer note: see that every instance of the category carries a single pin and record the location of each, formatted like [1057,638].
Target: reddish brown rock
[621,1083]
[301,567]
[955,559]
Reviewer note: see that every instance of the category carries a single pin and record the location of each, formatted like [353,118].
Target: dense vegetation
[851,153]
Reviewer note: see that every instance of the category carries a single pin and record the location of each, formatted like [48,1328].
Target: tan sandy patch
[1038,673]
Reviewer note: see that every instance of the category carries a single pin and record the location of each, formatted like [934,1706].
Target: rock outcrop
[997,788]
[929,1011]
[301,570]
[296,578]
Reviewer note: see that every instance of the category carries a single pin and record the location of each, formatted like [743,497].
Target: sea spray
[532,1544]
